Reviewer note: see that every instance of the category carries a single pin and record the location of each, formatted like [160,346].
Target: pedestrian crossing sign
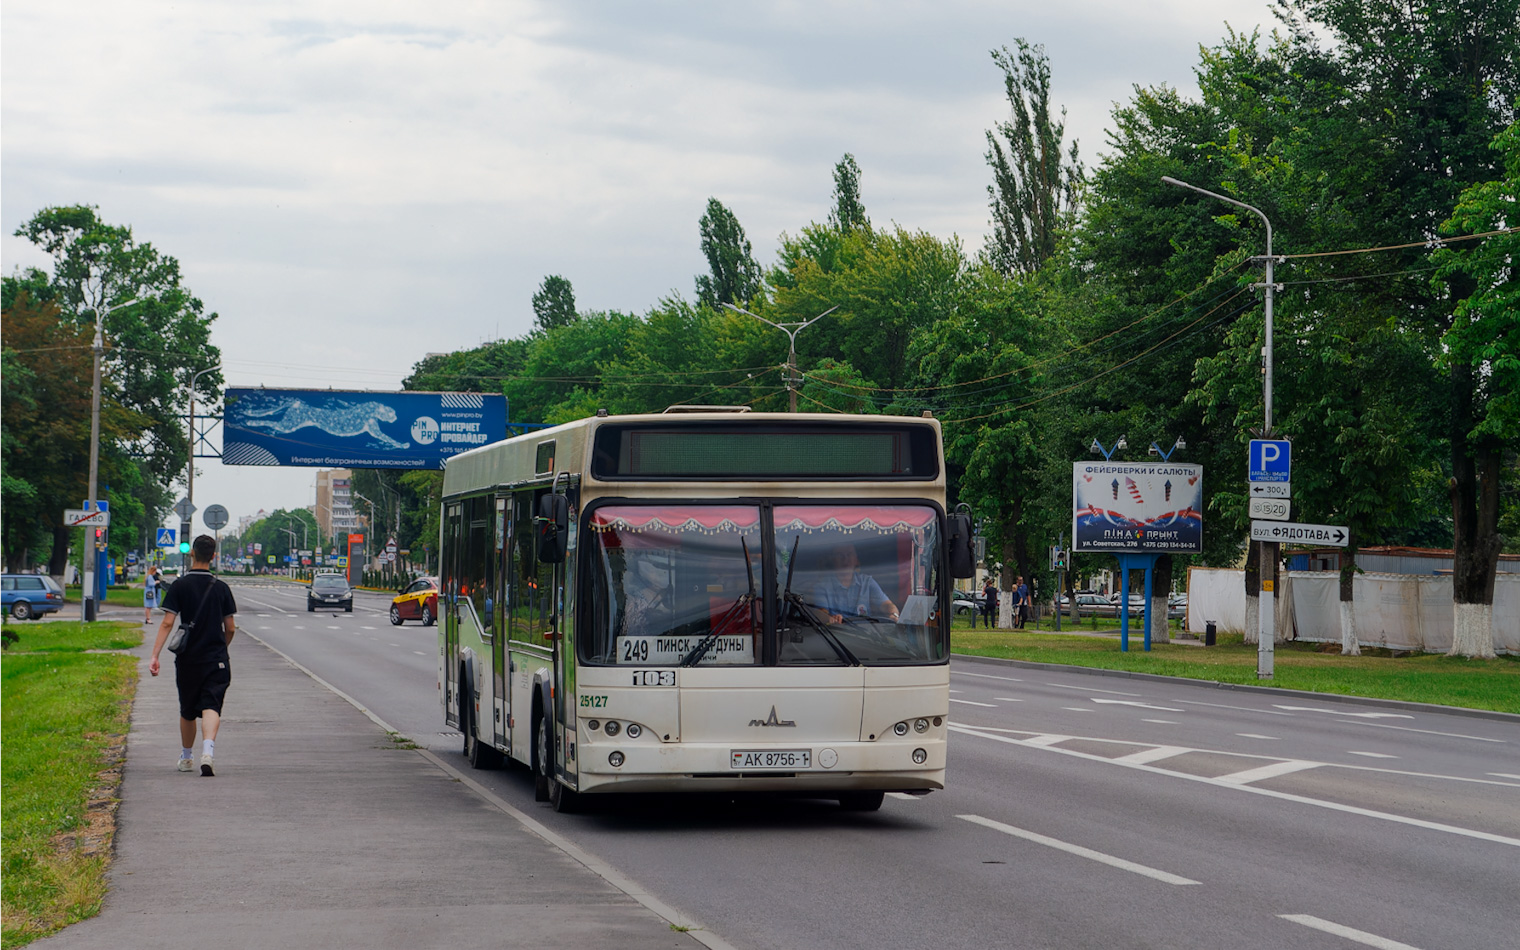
[166,538]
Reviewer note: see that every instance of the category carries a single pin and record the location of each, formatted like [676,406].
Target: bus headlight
[634,730]
[593,725]
[939,720]
[612,727]
[615,760]
[901,728]
[920,725]
[919,756]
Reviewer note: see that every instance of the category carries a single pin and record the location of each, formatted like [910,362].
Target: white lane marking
[1128,702]
[395,644]
[1196,702]
[263,626]
[1350,933]
[334,628]
[1261,772]
[1164,722]
[1342,712]
[967,702]
[986,676]
[366,628]
[957,691]
[1428,732]
[1089,689]
[1076,709]
[904,796]
[419,653]
[1503,775]
[1255,790]
[1081,852]
[1257,735]
[1007,699]
[1153,755]
[300,628]
[1371,755]
[265,616]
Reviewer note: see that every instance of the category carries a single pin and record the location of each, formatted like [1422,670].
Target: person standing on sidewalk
[150,593]
[202,670]
[989,603]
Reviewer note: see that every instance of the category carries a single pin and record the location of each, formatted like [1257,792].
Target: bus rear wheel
[861,801]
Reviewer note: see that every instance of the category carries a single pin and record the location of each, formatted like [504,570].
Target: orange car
[418,602]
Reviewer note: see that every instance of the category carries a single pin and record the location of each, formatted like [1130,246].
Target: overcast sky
[351,185]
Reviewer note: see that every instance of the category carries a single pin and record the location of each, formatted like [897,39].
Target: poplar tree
[734,275]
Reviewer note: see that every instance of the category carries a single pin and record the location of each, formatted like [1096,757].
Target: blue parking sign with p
[166,538]
[1271,460]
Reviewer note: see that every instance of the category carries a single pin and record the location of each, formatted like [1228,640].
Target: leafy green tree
[553,303]
[733,276]
[1482,348]
[1034,187]
[849,213]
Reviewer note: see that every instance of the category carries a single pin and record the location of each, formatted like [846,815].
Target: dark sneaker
[206,765]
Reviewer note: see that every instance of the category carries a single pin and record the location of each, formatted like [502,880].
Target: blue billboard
[334,429]
[1137,508]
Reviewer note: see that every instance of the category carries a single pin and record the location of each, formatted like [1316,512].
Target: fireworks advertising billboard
[1137,508]
[335,429]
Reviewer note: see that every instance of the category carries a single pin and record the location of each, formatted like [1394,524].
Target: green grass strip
[1378,674]
[72,636]
[65,719]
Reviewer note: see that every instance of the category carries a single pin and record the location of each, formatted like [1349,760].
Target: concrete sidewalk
[318,832]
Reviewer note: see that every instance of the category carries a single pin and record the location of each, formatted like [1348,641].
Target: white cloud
[353,184]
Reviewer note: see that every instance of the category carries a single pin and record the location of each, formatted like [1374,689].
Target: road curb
[678,921]
[1247,688]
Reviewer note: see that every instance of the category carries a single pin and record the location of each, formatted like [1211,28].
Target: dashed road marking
[1371,755]
[1196,702]
[1504,775]
[1007,699]
[1262,772]
[1152,755]
[1350,933]
[1257,735]
[1076,709]
[1089,689]
[986,676]
[1154,874]
[1164,722]
[967,702]
[419,653]
[1428,732]
[1342,712]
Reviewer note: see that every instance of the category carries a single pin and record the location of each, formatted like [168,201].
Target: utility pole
[791,330]
[91,558]
[1265,641]
[185,526]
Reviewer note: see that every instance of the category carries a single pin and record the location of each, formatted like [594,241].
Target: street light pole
[190,466]
[1266,636]
[98,348]
[791,330]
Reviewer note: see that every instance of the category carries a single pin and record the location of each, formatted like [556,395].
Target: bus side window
[532,583]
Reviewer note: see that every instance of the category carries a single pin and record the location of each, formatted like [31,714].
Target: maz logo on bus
[771,720]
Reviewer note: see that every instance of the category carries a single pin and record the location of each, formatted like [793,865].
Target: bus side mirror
[962,559]
[553,528]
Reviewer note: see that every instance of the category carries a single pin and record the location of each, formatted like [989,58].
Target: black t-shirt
[202,603]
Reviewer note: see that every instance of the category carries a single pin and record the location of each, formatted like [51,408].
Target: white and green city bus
[703,601]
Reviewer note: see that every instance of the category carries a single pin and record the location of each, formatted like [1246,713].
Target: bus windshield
[858,583]
[674,585]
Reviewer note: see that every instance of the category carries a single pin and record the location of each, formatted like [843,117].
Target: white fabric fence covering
[1397,611]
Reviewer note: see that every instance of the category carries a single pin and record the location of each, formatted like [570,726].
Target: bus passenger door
[561,593]
[449,614]
[501,559]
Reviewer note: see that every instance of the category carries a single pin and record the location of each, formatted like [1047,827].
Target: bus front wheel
[480,755]
[542,761]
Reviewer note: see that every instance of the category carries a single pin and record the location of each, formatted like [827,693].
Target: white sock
[208,747]
[187,753]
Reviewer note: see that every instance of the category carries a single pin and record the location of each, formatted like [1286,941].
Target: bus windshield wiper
[795,600]
[733,613]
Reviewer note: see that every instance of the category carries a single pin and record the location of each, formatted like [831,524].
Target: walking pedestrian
[989,602]
[1023,603]
[150,593]
[202,671]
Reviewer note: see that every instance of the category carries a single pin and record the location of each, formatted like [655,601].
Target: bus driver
[844,591]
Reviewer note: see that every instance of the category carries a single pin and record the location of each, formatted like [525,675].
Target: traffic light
[184,547]
[1060,560]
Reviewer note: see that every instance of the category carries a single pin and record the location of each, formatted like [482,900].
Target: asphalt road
[1083,811]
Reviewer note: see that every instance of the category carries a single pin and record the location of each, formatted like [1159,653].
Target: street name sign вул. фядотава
[1290,532]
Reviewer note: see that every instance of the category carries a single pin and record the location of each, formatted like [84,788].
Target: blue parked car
[26,596]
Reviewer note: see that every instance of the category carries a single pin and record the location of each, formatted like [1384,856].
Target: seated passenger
[845,592]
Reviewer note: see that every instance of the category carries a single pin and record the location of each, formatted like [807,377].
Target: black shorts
[201,687]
